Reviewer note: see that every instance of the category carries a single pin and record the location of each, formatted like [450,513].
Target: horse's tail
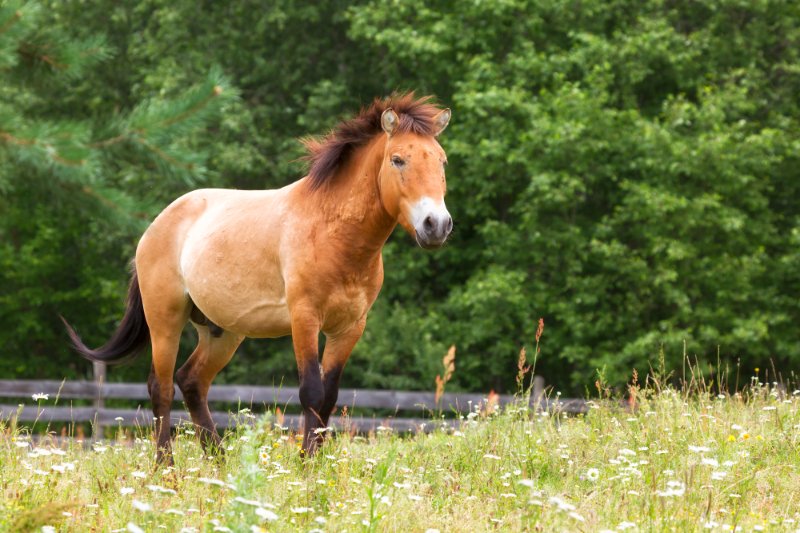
[130,338]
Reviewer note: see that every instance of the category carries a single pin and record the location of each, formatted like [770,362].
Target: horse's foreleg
[305,338]
[195,376]
[337,351]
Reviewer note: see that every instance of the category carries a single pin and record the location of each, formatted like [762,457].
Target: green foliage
[70,209]
[627,170]
[622,169]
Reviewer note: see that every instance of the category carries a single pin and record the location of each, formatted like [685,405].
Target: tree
[623,169]
[69,179]
[627,170]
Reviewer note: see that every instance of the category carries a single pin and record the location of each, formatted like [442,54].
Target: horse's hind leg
[166,310]
[161,387]
[214,351]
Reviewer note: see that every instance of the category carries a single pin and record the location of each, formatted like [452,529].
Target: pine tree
[70,184]
[37,64]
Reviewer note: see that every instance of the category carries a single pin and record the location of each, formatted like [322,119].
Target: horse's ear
[441,120]
[389,121]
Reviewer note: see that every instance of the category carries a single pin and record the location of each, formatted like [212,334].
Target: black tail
[130,338]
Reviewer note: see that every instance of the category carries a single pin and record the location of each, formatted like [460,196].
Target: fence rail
[254,397]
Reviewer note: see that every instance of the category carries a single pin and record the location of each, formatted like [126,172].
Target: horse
[299,260]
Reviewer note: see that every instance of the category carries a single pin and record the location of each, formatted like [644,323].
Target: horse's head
[412,180]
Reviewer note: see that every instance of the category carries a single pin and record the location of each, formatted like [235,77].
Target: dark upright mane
[327,154]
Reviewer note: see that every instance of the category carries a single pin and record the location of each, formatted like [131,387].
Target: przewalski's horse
[293,261]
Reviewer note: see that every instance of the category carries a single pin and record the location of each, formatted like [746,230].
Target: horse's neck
[351,202]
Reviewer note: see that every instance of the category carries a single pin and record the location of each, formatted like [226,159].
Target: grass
[677,462]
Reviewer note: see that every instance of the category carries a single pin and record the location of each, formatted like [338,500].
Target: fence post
[538,392]
[99,402]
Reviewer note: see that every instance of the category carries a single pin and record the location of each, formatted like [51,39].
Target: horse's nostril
[428,223]
[449,224]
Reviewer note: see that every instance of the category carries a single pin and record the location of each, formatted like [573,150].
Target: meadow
[666,460]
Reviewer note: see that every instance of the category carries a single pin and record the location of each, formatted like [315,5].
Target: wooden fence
[409,410]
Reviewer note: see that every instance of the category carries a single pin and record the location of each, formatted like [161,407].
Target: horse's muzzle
[434,231]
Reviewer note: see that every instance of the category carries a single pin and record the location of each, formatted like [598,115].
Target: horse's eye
[398,161]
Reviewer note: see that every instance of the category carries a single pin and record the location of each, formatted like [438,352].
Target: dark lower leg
[161,395]
[330,382]
[195,395]
[312,398]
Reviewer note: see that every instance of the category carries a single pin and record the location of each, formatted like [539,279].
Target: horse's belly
[264,320]
[246,314]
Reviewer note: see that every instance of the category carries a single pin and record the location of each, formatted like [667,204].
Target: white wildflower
[561,504]
[217,482]
[63,467]
[710,462]
[126,490]
[141,506]
[140,475]
[162,490]
[40,396]
[133,528]
[699,449]
[266,514]
[254,503]
[592,474]
[674,488]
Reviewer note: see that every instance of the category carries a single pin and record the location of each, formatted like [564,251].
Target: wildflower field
[672,461]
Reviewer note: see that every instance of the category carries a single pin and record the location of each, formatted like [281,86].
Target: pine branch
[157,134]
[17,22]
[6,24]
[158,127]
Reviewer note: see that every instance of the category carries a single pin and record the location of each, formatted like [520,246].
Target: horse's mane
[327,154]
